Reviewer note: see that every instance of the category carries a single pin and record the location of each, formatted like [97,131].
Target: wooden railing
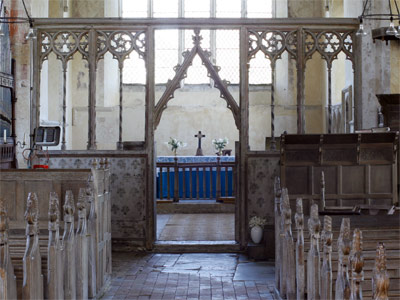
[7,155]
[204,180]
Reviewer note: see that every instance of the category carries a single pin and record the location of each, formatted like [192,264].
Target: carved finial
[327,232]
[95,163]
[344,241]
[299,218]
[380,280]
[277,187]
[285,207]
[357,264]
[102,163]
[314,224]
[3,222]
[54,211]
[69,208]
[81,204]
[197,37]
[32,209]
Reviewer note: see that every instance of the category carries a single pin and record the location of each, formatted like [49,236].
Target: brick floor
[184,276]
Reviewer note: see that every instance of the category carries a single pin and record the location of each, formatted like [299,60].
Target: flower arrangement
[220,144]
[257,221]
[175,144]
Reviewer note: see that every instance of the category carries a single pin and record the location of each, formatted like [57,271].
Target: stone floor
[196,227]
[189,276]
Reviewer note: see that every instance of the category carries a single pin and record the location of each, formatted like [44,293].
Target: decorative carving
[69,247]
[357,264]
[313,259]
[181,70]
[326,270]
[342,286]
[55,267]
[278,248]
[8,286]
[380,279]
[300,272]
[288,261]
[32,286]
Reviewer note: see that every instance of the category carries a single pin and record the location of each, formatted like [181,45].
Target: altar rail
[201,180]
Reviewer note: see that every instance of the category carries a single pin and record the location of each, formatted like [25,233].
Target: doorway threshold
[229,246]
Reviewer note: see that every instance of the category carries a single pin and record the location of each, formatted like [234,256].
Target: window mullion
[244,9]
[150,8]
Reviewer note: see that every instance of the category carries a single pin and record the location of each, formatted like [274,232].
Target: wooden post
[91,233]
[380,278]
[323,204]
[69,247]
[8,286]
[218,195]
[288,246]
[81,248]
[357,264]
[326,270]
[32,285]
[313,259]
[342,286]
[300,275]
[176,180]
[278,193]
[55,267]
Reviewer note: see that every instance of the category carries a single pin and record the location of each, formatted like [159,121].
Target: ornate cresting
[301,44]
[180,73]
[8,286]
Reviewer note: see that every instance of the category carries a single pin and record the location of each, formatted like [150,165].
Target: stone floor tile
[187,276]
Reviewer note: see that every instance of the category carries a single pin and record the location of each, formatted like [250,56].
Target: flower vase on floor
[256,234]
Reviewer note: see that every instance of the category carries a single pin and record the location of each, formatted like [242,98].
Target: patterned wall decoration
[261,173]
[128,194]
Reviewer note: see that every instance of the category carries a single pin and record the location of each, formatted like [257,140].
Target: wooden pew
[94,231]
[350,261]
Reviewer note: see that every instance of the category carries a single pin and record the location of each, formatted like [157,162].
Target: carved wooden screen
[300,39]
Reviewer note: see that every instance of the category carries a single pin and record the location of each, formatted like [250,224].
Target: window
[223,44]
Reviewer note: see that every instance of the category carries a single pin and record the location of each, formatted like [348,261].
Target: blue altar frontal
[207,177]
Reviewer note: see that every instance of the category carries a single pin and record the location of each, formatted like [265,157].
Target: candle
[24,138]
[5,136]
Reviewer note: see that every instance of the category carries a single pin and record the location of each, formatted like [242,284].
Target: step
[196,247]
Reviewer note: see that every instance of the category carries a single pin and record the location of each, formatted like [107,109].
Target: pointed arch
[180,73]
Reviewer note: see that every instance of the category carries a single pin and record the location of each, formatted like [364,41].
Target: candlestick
[24,139]
[5,136]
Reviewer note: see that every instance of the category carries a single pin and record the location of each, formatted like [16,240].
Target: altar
[195,177]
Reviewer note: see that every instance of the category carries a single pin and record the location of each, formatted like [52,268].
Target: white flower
[175,144]
[220,143]
[257,221]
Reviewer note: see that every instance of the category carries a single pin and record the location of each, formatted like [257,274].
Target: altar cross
[199,151]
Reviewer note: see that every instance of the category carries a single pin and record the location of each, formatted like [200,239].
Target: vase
[256,234]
